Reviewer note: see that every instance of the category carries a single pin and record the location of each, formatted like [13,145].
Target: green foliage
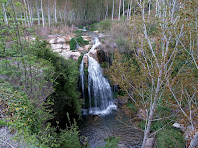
[111,142]
[69,138]
[170,138]
[72,44]
[81,41]
[104,26]
[78,32]
[131,106]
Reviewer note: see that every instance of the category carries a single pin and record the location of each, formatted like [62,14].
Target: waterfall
[99,90]
[100,95]
[84,29]
[82,75]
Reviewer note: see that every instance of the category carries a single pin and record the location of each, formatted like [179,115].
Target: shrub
[111,142]
[72,44]
[105,25]
[170,138]
[81,41]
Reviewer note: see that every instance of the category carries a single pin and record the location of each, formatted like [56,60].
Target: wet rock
[95,117]
[84,140]
[179,126]
[121,146]
[150,143]
[86,38]
[93,53]
[71,55]
[87,47]
[85,60]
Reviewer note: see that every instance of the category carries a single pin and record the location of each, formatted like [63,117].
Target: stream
[99,118]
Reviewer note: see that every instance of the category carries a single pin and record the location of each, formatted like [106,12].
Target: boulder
[149,143]
[93,53]
[71,55]
[96,31]
[86,38]
[179,126]
[85,60]
[59,46]
[67,39]
[60,40]
[52,41]
[87,47]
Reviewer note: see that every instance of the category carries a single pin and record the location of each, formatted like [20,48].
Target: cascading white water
[99,90]
[100,95]
[82,76]
[84,29]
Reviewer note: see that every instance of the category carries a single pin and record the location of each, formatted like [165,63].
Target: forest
[99,73]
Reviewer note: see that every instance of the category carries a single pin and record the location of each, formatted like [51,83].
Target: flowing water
[97,129]
[100,95]
[82,76]
[99,120]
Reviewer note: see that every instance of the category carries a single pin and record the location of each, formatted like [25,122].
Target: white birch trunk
[123,8]
[119,9]
[113,10]
[43,19]
[5,15]
[49,15]
[107,11]
[194,141]
[130,9]
[38,13]
[55,18]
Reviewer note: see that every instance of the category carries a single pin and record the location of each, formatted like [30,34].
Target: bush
[170,138]
[72,44]
[111,142]
[105,26]
[81,41]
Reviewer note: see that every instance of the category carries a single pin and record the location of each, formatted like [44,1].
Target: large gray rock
[150,143]
[60,46]
[71,55]
[60,40]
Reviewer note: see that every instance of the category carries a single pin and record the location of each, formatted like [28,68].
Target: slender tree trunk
[55,18]
[107,11]
[113,10]
[194,141]
[5,15]
[123,8]
[26,13]
[130,9]
[60,16]
[38,13]
[49,16]
[119,9]
[29,12]
[43,19]
[149,7]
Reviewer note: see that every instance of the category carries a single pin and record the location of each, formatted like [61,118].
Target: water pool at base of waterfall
[98,128]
